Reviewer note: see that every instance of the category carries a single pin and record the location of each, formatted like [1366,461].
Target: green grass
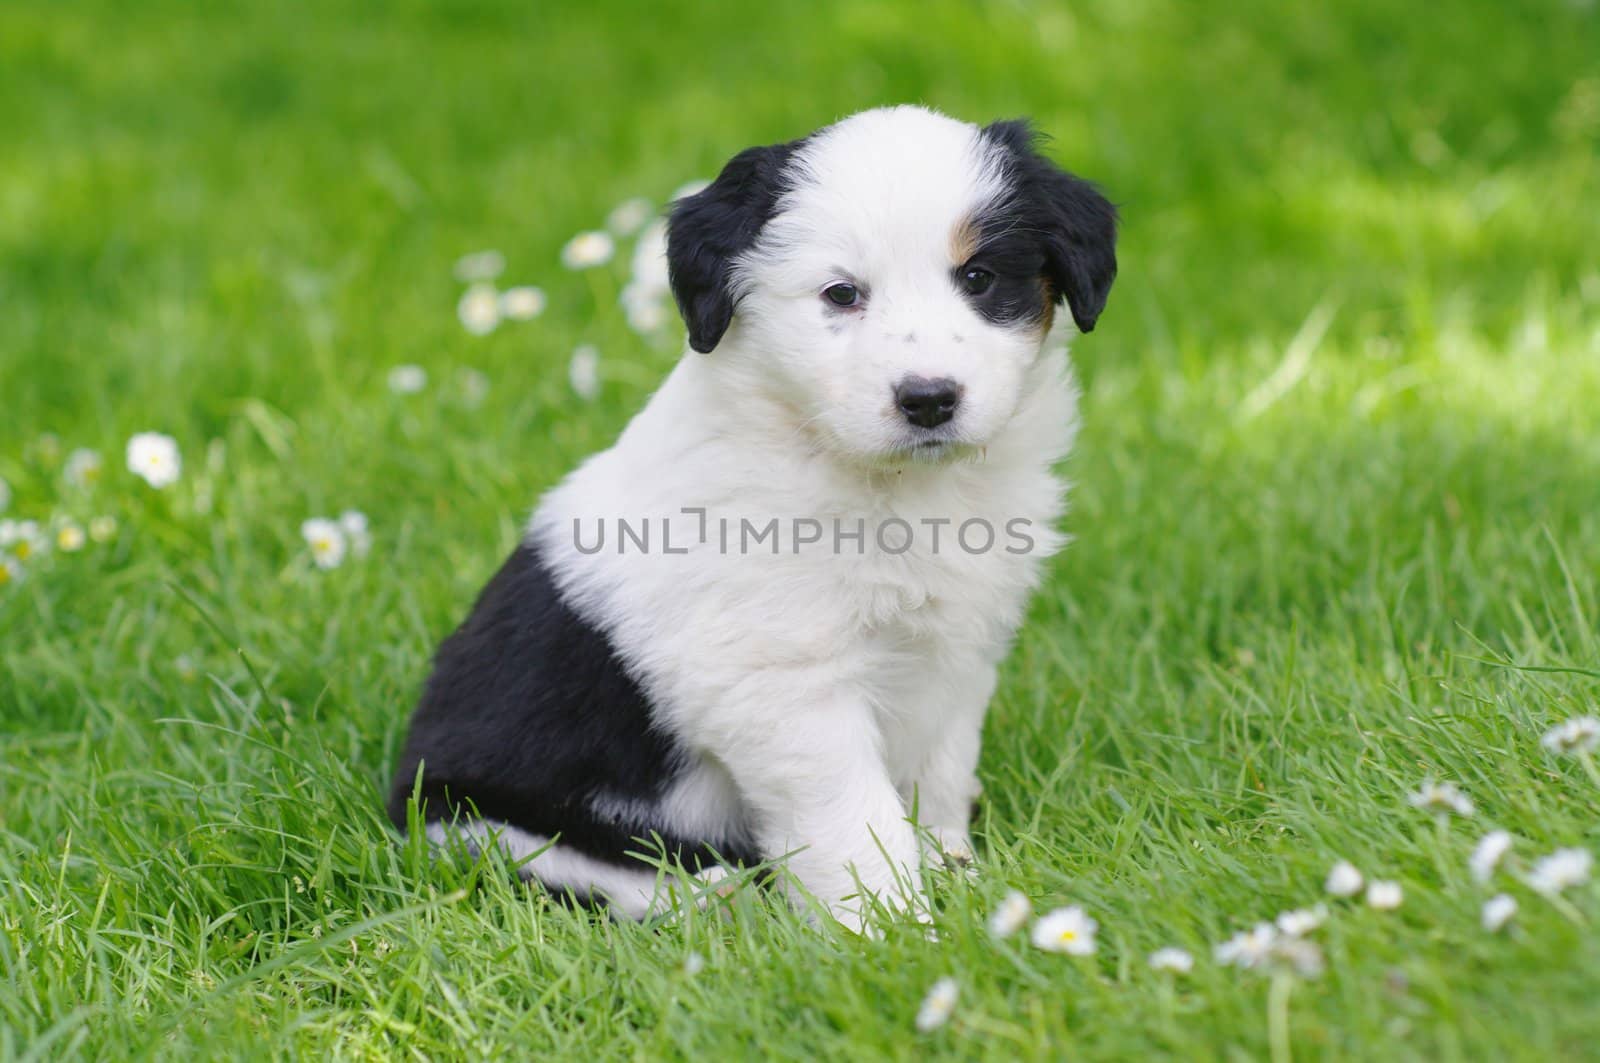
[1308,572]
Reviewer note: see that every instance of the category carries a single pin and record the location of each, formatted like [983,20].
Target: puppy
[764,626]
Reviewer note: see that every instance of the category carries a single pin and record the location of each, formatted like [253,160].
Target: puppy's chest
[950,573]
[927,594]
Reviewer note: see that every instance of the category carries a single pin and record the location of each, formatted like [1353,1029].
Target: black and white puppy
[765,624]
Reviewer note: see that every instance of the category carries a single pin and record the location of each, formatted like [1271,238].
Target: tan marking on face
[1047,292]
[963,240]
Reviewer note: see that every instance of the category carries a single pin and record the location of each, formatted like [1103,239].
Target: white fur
[631,891]
[878,198]
[827,693]
[637,892]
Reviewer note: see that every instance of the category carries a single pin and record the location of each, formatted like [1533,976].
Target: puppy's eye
[842,294]
[976,281]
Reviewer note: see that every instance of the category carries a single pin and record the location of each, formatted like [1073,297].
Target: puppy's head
[892,277]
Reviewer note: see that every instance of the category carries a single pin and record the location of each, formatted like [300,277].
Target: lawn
[1336,521]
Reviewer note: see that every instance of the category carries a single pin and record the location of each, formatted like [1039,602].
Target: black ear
[1079,224]
[707,230]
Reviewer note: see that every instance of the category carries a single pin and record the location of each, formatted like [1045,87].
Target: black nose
[927,403]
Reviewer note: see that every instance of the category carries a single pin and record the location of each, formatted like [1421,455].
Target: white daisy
[22,539]
[154,457]
[1560,870]
[326,540]
[184,665]
[1300,955]
[1497,911]
[33,540]
[1488,853]
[474,386]
[689,188]
[522,303]
[588,250]
[70,538]
[938,1005]
[103,529]
[645,309]
[479,309]
[83,468]
[1384,896]
[584,372]
[646,298]
[1581,734]
[627,217]
[1302,921]
[1010,915]
[1248,948]
[1173,960]
[1344,880]
[353,523]
[649,264]
[648,318]
[693,964]
[11,571]
[1067,930]
[1442,798]
[1262,946]
[479,266]
[407,379]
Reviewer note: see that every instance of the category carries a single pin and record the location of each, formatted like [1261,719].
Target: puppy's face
[891,278]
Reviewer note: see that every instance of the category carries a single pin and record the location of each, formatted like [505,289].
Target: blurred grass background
[1339,468]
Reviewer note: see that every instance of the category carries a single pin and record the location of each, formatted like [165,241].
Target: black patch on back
[1053,236]
[708,230]
[529,716]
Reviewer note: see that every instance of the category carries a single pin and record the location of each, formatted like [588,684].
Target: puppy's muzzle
[927,403]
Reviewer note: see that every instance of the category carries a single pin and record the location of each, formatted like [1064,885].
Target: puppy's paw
[951,849]
[715,884]
[868,914]
[708,889]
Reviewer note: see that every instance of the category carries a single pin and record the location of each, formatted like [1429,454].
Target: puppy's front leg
[816,783]
[946,787]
